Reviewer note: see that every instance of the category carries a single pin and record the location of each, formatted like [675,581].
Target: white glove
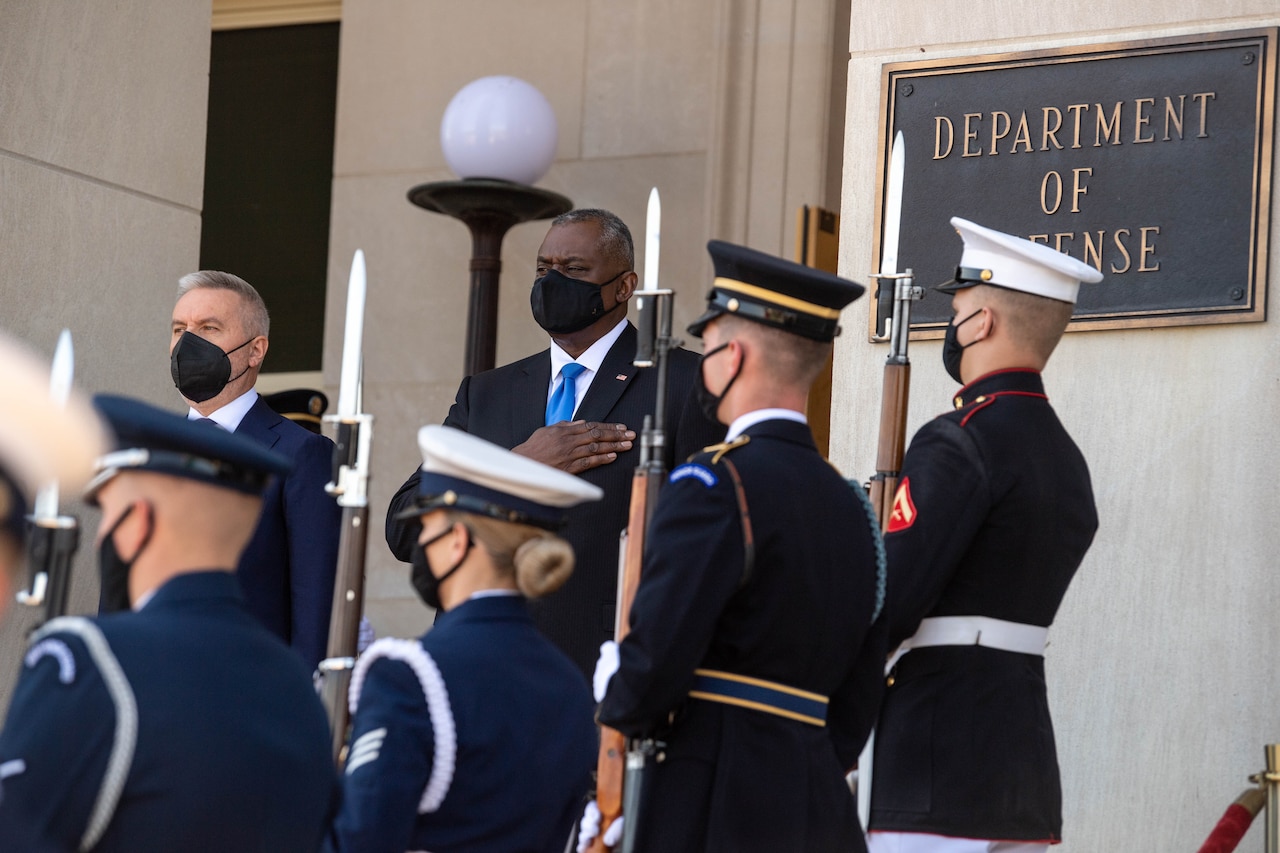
[606,666]
[589,827]
[365,637]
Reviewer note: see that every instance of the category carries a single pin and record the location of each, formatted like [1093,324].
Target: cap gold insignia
[986,275]
[732,305]
[450,497]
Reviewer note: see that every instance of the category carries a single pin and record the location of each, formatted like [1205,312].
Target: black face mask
[565,305]
[113,570]
[424,581]
[708,402]
[200,369]
[953,350]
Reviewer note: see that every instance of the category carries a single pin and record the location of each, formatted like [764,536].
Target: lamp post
[499,136]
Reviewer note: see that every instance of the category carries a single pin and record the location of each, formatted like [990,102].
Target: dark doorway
[268,176]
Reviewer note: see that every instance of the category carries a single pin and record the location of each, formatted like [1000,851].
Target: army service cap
[468,474]
[41,442]
[775,292]
[303,406]
[151,439]
[1002,260]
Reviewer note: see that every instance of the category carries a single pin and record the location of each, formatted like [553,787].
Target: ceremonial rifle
[52,538]
[894,295]
[616,795]
[350,485]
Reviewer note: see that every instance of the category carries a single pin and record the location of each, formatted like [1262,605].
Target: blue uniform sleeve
[54,748]
[389,763]
[942,499]
[314,525]
[693,563]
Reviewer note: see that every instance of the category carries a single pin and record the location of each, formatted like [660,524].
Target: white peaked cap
[996,258]
[42,442]
[470,474]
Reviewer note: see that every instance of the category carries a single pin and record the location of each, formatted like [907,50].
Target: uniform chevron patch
[904,509]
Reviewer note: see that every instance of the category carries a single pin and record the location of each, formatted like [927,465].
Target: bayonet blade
[352,341]
[652,240]
[60,376]
[893,207]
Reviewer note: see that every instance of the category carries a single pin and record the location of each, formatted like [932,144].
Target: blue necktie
[560,407]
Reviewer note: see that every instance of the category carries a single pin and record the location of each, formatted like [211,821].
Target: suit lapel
[260,424]
[615,374]
[529,399]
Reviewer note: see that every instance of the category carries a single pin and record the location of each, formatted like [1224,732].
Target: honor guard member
[992,517]
[478,736]
[40,443]
[181,724]
[752,655]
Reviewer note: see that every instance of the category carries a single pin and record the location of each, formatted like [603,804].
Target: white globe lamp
[499,128]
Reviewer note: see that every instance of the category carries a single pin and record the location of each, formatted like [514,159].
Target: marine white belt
[974,631]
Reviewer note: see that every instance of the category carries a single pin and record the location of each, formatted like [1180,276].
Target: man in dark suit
[993,515]
[180,724]
[218,343]
[585,279]
[754,655]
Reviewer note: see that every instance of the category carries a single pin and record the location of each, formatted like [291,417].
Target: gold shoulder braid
[719,450]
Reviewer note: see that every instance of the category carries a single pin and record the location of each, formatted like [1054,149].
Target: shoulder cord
[748,538]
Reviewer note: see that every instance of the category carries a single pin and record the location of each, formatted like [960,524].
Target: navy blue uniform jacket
[476,738]
[739,779]
[210,727]
[508,404]
[287,569]
[993,516]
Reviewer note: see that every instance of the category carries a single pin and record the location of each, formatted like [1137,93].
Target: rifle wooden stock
[893,437]
[350,483]
[611,762]
[344,622]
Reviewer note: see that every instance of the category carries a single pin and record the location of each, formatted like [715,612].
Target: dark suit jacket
[228,747]
[288,567]
[506,405]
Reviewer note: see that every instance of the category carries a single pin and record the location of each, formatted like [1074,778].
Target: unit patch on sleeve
[693,469]
[903,514]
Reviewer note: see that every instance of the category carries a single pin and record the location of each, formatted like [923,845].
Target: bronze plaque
[1149,160]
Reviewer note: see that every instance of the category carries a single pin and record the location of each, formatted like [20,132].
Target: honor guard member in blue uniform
[41,443]
[181,724]
[993,515]
[752,654]
[477,736]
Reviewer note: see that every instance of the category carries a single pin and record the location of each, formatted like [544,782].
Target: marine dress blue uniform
[476,737]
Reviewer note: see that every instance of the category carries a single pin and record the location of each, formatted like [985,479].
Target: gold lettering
[1039,238]
[938,123]
[996,133]
[1093,250]
[1050,134]
[970,134]
[1147,249]
[1062,237]
[1044,193]
[1124,250]
[1023,136]
[1140,119]
[1076,110]
[1171,118]
[1204,98]
[1105,130]
[1078,187]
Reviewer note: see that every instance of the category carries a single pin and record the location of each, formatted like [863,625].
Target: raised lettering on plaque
[1149,160]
